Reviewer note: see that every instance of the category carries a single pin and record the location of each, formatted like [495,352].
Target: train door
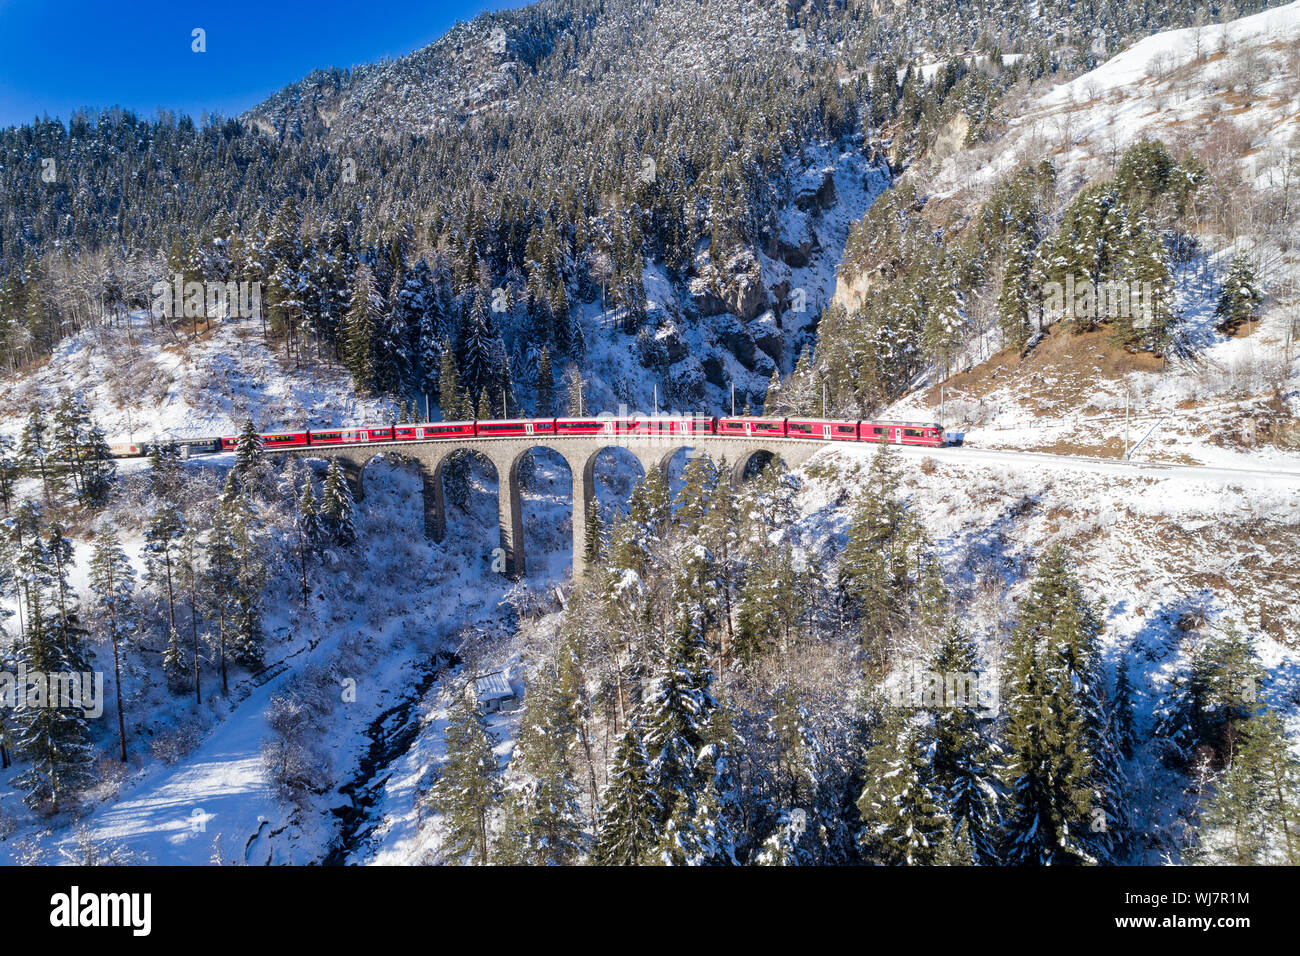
[896,434]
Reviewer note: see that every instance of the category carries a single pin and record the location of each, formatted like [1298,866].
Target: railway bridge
[579,452]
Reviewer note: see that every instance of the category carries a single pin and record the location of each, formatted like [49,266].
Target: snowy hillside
[1108,543]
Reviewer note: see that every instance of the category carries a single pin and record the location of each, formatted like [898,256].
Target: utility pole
[823,399]
[656,401]
[733,399]
[1126,423]
[941,419]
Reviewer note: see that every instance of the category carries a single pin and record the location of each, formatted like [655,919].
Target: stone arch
[436,501]
[516,516]
[745,468]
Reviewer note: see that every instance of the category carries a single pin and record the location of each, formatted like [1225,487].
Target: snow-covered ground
[1230,401]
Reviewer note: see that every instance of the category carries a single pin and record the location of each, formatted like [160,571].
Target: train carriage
[821,429]
[518,428]
[752,427]
[446,430]
[584,426]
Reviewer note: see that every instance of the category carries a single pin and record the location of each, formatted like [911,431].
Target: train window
[327,436]
[502,428]
[800,427]
[912,432]
[443,429]
[846,429]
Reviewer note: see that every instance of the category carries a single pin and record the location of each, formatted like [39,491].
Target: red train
[808,429]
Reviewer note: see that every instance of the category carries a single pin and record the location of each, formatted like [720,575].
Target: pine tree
[10,469]
[189,574]
[576,404]
[1124,731]
[164,468]
[164,530]
[450,398]
[963,757]
[676,717]
[222,580]
[112,584]
[593,540]
[1240,297]
[468,787]
[247,637]
[359,330]
[1065,801]
[902,813]
[545,385]
[176,669]
[51,735]
[337,507]
[629,827]
[248,451]
[310,532]
[544,818]
[1254,815]
[53,739]
[34,452]
[1208,701]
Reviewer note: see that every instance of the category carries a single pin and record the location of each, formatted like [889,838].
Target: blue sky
[59,55]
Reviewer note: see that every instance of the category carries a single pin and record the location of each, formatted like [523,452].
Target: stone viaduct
[579,452]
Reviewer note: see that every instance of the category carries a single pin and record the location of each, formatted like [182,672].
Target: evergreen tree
[676,718]
[337,507]
[451,400]
[629,827]
[1065,800]
[468,787]
[963,757]
[593,540]
[545,385]
[113,586]
[310,531]
[544,819]
[1124,731]
[1254,815]
[51,735]
[10,469]
[1208,701]
[359,330]
[899,806]
[248,451]
[35,454]
[1240,297]
[164,530]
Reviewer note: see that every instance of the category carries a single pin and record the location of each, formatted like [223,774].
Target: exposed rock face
[736,288]
[795,240]
[768,335]
[950,141]
[735,338]
[815,190]
[850,293]
[671,340]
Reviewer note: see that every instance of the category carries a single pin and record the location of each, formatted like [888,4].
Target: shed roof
[492,686]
